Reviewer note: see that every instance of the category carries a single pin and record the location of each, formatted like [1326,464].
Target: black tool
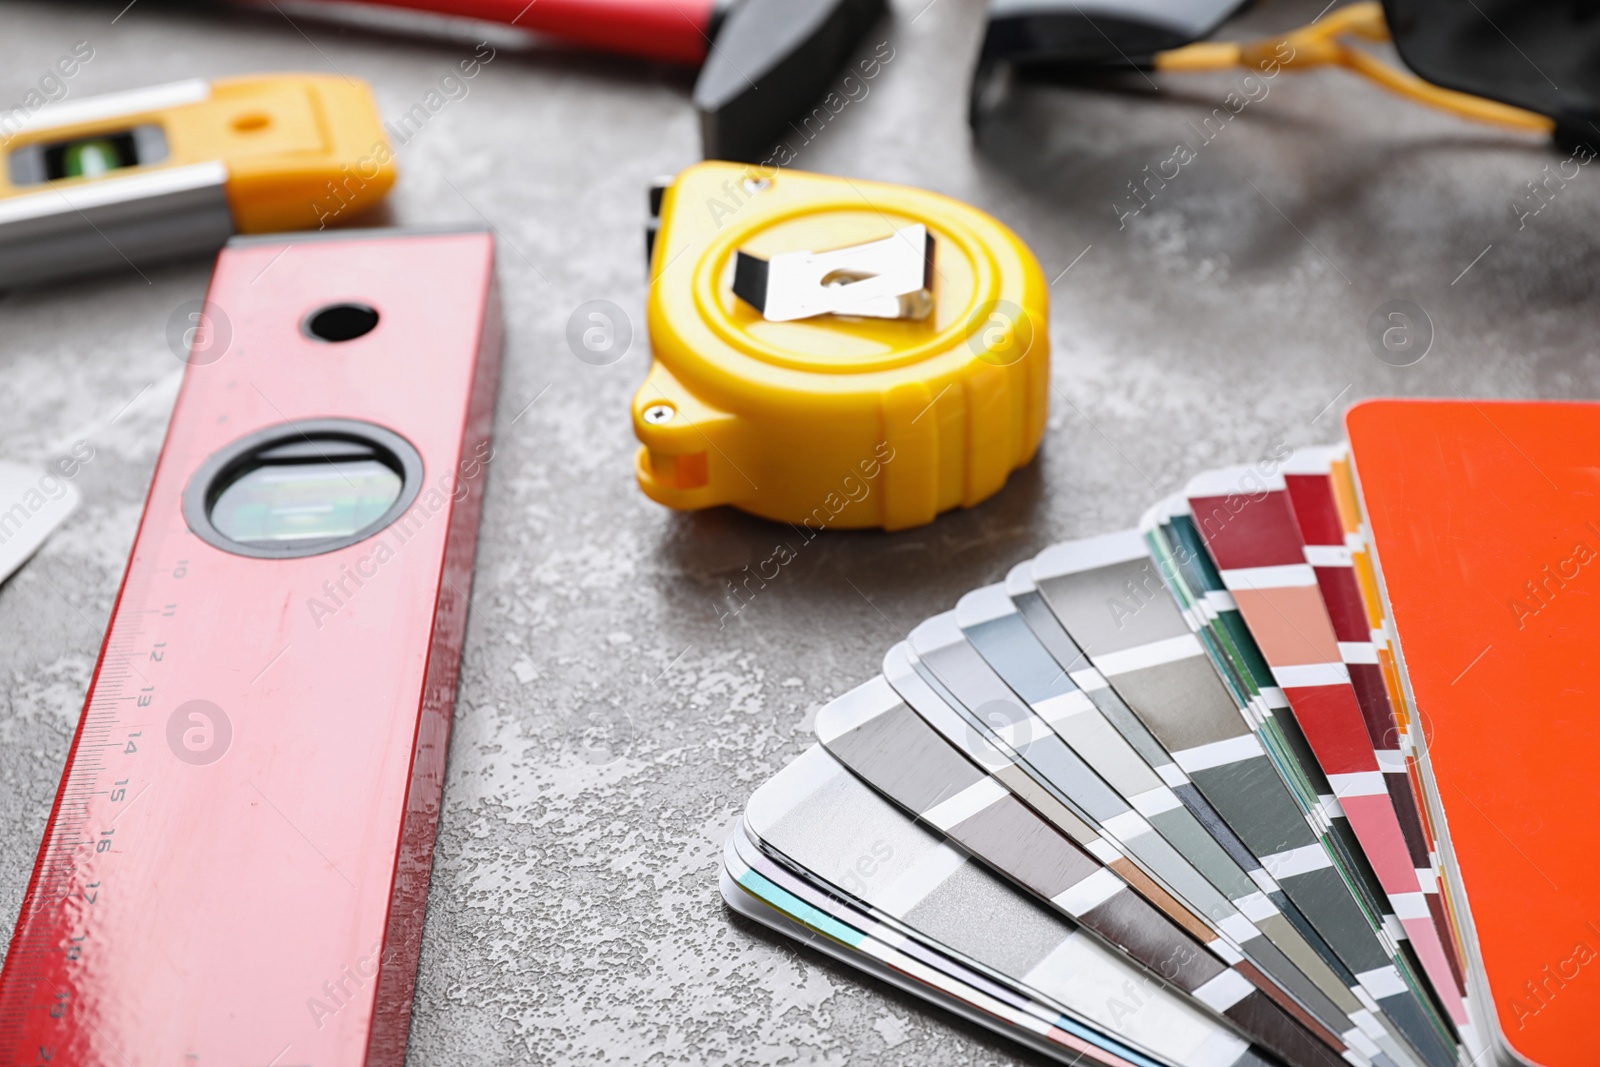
[769,61]
[1069,36]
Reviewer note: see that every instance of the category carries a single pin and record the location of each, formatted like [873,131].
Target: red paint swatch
[1268,568]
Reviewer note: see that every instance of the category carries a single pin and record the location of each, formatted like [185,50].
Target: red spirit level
[236,865]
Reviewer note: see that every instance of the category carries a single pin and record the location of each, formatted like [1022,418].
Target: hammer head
[1083,36]
[770,60]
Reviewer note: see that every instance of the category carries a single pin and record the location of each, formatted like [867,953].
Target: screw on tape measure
[836,353]
[175,170]
[236,865]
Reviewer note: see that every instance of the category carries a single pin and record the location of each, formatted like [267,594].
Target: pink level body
[266,908]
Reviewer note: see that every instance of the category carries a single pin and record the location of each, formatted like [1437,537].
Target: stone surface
[609,729]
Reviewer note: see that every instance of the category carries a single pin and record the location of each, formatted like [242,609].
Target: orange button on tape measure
[836,353]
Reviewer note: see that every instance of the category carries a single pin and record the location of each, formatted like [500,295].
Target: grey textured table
[608,729]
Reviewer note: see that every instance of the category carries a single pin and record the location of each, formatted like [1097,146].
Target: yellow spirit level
[173,170]
[836,353]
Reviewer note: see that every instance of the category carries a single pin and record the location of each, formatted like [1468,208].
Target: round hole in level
[251,121]
[341,322]
[301,489]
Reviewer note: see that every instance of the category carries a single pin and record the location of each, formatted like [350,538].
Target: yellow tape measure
[836,353]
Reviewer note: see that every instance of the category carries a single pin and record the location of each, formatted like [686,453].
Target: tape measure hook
[889,278]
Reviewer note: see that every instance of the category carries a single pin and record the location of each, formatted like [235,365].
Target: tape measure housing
[835,420]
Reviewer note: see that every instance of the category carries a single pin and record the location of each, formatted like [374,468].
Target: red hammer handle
[674,30]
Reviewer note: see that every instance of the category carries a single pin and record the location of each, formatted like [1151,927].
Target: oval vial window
[303,488]
[297,494]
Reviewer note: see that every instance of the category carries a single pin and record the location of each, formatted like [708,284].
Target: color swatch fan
[1208,792]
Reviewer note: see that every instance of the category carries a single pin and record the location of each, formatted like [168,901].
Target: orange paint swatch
[1485,520]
